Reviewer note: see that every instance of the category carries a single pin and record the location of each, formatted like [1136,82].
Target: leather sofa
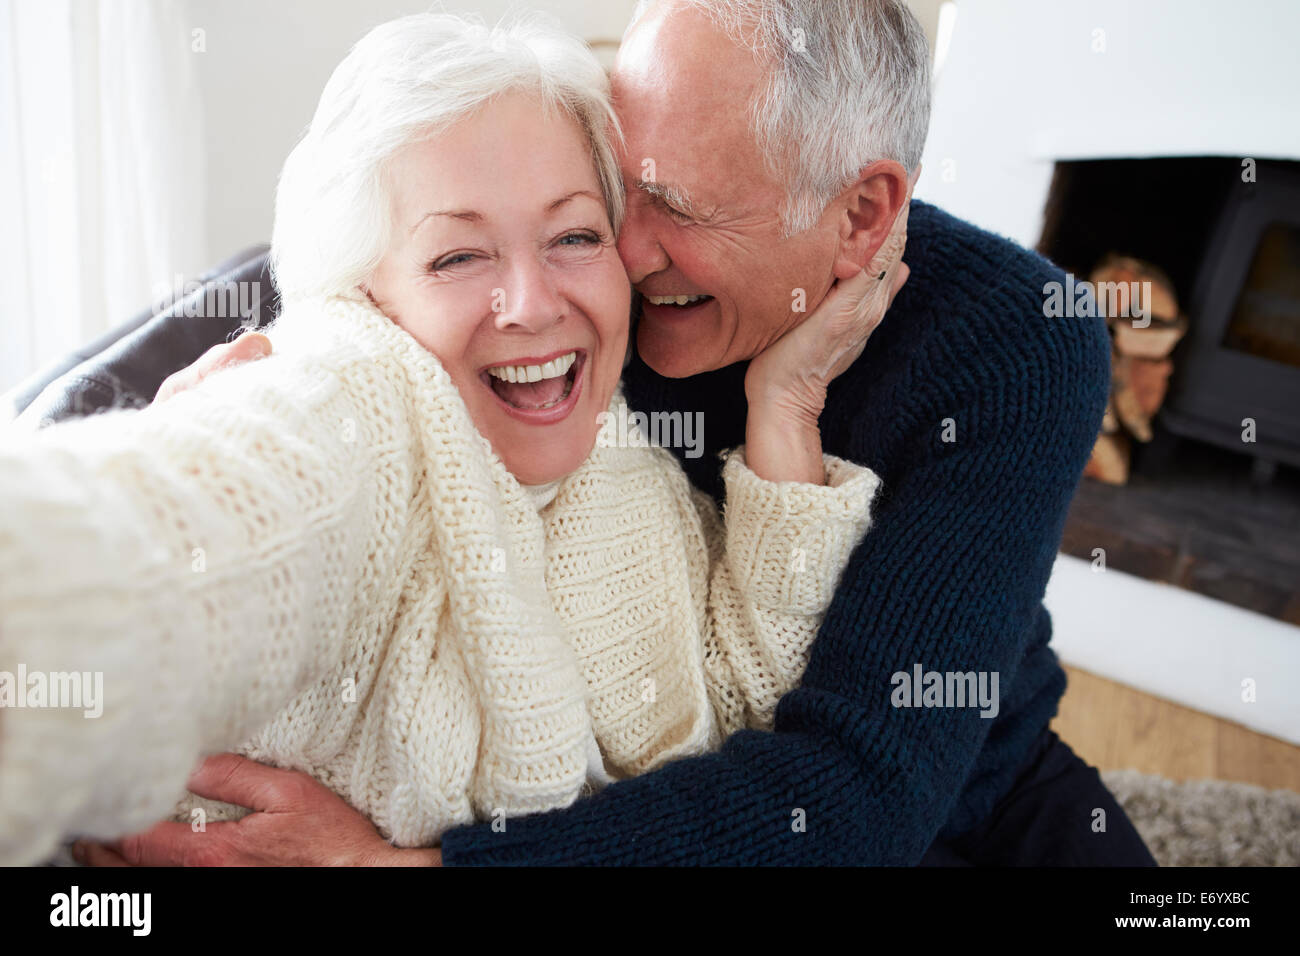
[125,367]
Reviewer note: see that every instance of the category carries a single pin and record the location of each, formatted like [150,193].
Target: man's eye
[675,214]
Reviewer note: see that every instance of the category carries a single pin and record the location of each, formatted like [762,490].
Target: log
[1152,281]
[1109,460]
[1138,388]
[1140,365]
[1153,342]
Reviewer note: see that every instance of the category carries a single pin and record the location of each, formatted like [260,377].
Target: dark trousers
[1047,819]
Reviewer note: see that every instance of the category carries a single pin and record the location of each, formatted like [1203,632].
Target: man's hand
[246,348]
[296,822]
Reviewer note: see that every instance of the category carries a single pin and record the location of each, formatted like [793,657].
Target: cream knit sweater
[317,561]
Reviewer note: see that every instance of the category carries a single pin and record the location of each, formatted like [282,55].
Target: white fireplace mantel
[1024,83]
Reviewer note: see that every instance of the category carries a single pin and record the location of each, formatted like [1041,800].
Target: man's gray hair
[849,84]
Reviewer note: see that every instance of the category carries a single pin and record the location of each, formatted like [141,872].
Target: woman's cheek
[444,323]
[619,290]
[612,306]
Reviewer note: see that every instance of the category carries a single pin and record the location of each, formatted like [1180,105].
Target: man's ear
[867,209]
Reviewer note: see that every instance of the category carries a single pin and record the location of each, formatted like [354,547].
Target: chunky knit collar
[543,495]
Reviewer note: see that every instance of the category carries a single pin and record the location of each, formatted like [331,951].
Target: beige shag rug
[1210,822]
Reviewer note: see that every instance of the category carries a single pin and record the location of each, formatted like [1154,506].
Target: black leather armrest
[124,368]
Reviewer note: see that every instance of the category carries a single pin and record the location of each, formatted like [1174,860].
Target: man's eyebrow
[673,195]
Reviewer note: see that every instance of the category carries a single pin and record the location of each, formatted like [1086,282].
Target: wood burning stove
[1237,375]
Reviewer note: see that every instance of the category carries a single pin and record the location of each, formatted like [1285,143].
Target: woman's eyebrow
[470,215]
[577,192]
[466,215]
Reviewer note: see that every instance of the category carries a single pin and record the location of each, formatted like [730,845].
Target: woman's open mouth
[539,391]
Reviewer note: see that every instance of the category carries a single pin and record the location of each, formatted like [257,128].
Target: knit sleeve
[775,562]
[171,577]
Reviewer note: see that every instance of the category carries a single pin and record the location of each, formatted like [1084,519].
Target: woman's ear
[868,208]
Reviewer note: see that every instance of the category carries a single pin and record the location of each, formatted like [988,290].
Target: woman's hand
[297,821]
[786,383]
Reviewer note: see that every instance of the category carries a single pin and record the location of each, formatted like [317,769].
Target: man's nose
[531,300]
[638,245]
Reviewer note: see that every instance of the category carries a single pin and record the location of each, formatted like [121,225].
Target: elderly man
[769,148]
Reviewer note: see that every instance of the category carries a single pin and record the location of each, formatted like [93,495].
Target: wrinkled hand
[297,821]
[794,372]
[246,348]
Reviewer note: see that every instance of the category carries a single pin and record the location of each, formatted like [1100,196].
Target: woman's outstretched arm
[169,578]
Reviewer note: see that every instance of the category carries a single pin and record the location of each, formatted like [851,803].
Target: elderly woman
[395,555]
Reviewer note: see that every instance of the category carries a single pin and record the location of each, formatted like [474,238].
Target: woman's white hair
[848,84]
[404,81]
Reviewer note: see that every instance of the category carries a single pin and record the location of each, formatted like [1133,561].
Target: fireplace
[1227,232]
[1206,507]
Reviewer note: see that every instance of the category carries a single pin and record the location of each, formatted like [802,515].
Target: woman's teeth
[535,387]
[675,299]
[534,373]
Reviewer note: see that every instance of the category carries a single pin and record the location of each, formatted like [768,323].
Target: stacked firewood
[1140,365]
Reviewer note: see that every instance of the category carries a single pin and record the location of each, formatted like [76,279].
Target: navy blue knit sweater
[951,576]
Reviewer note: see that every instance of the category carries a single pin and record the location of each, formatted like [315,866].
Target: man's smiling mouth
[538,386]
[678,301]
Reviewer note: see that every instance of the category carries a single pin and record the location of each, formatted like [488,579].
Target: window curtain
[101,169]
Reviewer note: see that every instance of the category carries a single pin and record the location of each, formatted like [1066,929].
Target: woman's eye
[579,239]
[455,259]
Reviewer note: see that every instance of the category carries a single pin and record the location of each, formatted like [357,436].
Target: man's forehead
[682,89]
[682,116]
[678,156]
[678,66]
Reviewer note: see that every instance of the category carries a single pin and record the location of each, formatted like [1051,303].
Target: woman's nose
[530,300]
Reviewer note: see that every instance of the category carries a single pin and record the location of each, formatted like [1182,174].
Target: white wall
[264,66]
[266,61]
[1028,82]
